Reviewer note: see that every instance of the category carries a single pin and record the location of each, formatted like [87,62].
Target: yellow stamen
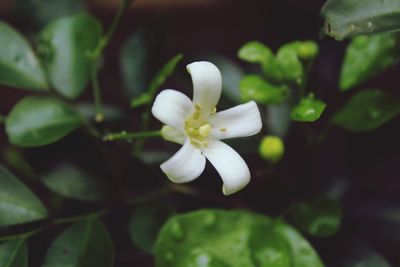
[198,107]
[196,115]
[205,130]
[222,130]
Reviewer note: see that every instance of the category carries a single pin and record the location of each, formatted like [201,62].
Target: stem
[97,95]
[123,5]
[130,136]
[2,119]
[98,51]
[79,218]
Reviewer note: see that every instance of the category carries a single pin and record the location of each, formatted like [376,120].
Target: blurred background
[361,170]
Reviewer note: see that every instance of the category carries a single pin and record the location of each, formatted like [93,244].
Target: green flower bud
[272,148]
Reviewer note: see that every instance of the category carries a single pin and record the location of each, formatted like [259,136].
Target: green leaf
[320,218]
[367,56]
[64,46]
[19,66]
[303,254]
[367,110]
[134,62]
[86,244]
[347,18]
[70,181]
[160,78]
[218,238]
[308,110]
[255,52]
[253,87]
[18,203]
[14,253]
[37,121]
[305,50]
[145,223]
[290,65]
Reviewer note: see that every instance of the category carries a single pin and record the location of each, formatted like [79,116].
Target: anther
[205,130]
[198,107]
[222,130]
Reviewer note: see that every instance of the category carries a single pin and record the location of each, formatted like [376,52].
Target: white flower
[199,128]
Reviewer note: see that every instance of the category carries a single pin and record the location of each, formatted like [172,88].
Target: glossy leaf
[145,223]
[253,87]
[85,244]
[347,18]
[367,56]
[218,238]
[14,253]
[320,218]
[19,66]
[37,121]
[70,181]
[367,110]
[303,254]
[308,110]
[18,204]
[64,47]
[161,77]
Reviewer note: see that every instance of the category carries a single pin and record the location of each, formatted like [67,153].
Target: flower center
[198,128]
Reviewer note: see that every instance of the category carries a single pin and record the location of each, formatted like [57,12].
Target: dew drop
[177,231]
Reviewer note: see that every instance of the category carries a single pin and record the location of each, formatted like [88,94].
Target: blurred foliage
[367,56]
[18,204]
[231,238]
[367,110]
[19,66]
[272,148]
[348,18]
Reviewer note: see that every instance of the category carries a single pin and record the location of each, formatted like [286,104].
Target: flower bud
[272,148]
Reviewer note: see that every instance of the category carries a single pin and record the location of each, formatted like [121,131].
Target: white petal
[172,135]
[229,164]
[186,165]
[240,121]
[172,108]
[207,84]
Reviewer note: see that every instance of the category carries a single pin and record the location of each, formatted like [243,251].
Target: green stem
[123,5]
[97,95]
[131,136]
[98,51]
[79,218]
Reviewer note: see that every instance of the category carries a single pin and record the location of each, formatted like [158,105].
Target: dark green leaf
[367,56]
[360,255]
[145,223]
[86,244]
[37,121]
[70,181]
[41,12]
[18,203]
[367,110]
[347,18]
[308,110]
[134,62]
[318,218]
[161,77]
[253,87]
[19,66]
[64,46]
[14,253]
[218,238]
